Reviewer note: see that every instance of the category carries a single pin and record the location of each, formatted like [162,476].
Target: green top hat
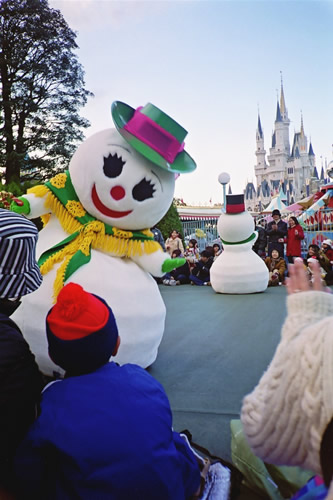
[154,135]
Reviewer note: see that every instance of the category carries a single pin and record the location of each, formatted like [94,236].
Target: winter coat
[279,264]
[260,245]
[20,388]
[174,244]
[106,435]
[281,232]
[295,236]
[183,270]
[328,254]
[202,270]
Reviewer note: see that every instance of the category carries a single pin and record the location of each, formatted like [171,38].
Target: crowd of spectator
[278,243]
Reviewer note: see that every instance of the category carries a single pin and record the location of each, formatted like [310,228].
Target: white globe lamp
[224,179]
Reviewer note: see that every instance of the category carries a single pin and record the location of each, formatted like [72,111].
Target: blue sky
[209,65]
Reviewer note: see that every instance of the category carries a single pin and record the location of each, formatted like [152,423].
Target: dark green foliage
[170,222]
[42,90]
[17,189]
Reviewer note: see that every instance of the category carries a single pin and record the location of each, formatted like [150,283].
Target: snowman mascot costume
[96,218]
[238,269]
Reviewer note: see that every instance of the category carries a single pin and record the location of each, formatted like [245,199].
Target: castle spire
[302,127]
[278,113]
[283,108]
[260,133]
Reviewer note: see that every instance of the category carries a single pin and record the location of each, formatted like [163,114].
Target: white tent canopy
[276,204]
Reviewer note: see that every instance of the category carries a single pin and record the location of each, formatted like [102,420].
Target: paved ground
[213,352]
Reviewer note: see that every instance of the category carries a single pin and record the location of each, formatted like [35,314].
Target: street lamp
[223,179]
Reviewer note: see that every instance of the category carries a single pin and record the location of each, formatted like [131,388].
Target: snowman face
[235,227]
[119,186]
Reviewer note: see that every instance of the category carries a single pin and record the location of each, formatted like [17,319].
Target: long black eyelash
[113,165]
[143,190]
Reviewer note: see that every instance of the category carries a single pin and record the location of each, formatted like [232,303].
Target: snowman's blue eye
[113,165]
[144,190]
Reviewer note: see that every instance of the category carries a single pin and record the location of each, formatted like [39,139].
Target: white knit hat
[284,418]
[327,242]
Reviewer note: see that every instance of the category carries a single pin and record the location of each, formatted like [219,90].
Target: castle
[291,171]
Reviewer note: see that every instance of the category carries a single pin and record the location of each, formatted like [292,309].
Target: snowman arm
[33,206]
[152,262]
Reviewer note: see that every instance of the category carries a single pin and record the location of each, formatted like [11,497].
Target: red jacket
[294,241]
[329,254]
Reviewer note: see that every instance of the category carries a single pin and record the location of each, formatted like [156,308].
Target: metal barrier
[203,230]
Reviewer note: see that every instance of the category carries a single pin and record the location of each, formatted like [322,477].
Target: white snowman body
[119,187]
[238,270]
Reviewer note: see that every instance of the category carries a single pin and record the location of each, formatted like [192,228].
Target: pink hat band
[153,135]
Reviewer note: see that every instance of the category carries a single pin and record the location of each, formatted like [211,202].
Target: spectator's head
[210,249]
[81,331]
[292,221]
[276,214]
[193,243]
[275,254]
[19,271]
[313,250]
[205,256]
[326,244]
[176,253]
[174,234]
[216,248]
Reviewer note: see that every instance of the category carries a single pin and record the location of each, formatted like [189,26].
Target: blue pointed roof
[250,191]
[229,190]
[265,188]
[311,153]
[315,173]
[259,127]
[278,113]
[273,140]
[296,154]
[275,183]
[322,174]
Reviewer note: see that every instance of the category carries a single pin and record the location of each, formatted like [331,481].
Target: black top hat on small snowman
[235,203]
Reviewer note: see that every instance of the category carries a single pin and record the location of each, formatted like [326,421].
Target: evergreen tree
[170,222]
[42,90]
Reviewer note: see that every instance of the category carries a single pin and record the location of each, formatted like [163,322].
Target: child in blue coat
[105,431]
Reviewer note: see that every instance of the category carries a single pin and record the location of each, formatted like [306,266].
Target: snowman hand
[20,206]
[171,264]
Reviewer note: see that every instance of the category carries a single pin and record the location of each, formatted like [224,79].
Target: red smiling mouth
[105,210]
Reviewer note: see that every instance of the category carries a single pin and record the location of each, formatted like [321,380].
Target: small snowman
[238,269]
[120,183]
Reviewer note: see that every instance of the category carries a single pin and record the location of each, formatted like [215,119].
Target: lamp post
[223,179]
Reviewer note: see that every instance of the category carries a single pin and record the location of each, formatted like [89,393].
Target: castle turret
[260,153]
